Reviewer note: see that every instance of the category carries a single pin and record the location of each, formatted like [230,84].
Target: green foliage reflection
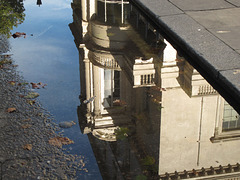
[11,14]
[141,177]
[150,165]
[148,161]
[122,133]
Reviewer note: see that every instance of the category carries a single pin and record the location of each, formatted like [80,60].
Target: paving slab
[229,35]
[160,7]
[217,18]
[193,5]
[203,43]
[234,2]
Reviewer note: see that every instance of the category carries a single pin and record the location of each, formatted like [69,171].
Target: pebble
[66,124]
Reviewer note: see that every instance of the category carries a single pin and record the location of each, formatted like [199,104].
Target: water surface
[148,113]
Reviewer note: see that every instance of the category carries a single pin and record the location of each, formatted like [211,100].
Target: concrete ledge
[212,57]
[158,7]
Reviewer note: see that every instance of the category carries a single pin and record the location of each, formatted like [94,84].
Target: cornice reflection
[146,110]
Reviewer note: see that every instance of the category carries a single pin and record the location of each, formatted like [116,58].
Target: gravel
[25,152]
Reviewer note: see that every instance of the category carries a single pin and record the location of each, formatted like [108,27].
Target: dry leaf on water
[42,85]
[25,126]
[5,61]
[31,95]
[23,83]
[38,85]
[59,141]
[12,82]
[10,110]
[27,147]
[25,120]
[31,102]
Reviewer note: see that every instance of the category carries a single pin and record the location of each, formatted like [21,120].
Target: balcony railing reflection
[105,60]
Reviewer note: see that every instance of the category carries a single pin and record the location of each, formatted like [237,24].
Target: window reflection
[111,87]
[231,119]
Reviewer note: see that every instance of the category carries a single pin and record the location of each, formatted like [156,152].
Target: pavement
[206,33]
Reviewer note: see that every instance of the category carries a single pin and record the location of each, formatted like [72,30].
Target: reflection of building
[179,126]
[112,70]
[194,139]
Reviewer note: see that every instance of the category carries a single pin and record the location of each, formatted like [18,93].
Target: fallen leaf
[25,126]
[27,147]
[41,84]
[25,120]
[31,95]
[34,85]
[21,84]
[38,85]
[31,102]
[59,141]
[5,61]
[10,110]
[12,82]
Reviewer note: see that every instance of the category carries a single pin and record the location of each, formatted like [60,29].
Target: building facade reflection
[148,112]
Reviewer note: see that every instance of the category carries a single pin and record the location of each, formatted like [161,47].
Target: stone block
[211,52]
[160,7]
[229,35]
[217,18]
[235,2]
[201,5]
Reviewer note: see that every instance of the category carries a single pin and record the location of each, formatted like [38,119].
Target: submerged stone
[66,124]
